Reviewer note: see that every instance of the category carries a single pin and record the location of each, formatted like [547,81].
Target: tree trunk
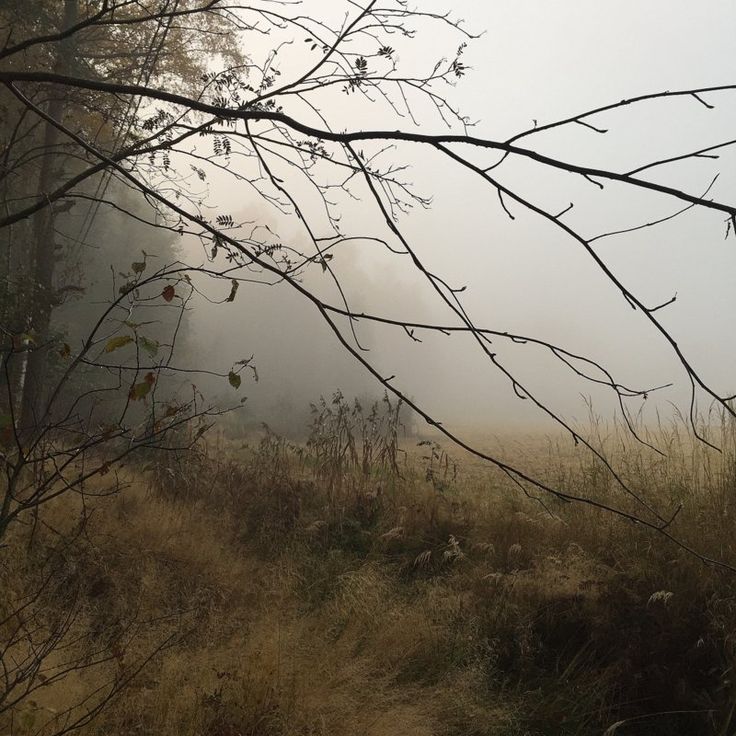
[44,256]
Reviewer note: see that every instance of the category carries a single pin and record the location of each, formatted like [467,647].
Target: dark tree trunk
[44,244]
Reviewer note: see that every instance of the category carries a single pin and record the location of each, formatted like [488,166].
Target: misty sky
[536,61]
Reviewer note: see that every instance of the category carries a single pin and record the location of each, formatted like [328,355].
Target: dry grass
[317,603]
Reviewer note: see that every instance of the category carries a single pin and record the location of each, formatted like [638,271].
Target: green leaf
[234,379]
[117,342]
[138,266]
[140,390]
[149,345]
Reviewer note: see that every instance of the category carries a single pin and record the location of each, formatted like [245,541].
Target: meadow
[362,582]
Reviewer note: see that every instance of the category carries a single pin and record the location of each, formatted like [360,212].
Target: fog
[218,216]
[536,62]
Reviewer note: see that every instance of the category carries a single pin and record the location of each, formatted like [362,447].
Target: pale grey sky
[537,60]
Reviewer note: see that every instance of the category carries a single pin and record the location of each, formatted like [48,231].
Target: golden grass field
[298,594]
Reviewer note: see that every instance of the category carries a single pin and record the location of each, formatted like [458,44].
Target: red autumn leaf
[168,293]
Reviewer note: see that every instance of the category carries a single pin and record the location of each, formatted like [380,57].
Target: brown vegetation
[421,598]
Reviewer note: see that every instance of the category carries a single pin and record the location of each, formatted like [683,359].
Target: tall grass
[352,585]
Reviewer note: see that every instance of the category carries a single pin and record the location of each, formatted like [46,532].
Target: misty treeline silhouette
[115,116]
